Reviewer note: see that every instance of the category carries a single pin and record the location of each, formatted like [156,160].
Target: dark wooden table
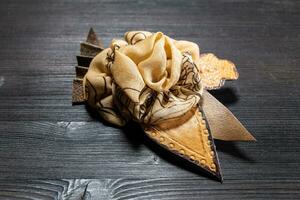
[50,149]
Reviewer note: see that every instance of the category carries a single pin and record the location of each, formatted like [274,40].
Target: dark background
[43,137]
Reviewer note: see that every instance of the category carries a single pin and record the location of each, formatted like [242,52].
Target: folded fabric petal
[148,77]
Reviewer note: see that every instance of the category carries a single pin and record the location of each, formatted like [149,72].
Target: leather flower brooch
[162,84]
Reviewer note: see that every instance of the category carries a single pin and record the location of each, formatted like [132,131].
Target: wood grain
[160,188]
[50,149]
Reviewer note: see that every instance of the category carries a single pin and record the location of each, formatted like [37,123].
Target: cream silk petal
[189,47]
[144,78]
[98,83]
[132,37]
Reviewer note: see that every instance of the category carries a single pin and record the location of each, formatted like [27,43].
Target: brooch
[162,84]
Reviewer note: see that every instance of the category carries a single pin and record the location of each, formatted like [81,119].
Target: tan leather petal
[188,137]
[223,124]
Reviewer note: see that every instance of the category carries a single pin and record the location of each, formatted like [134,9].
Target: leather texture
[188,137]
[78,92]
[223,124]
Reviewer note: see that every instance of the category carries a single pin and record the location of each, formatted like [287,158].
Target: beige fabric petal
[133,37]
[151,79]
[188,47]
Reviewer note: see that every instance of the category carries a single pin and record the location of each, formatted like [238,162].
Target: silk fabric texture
[147,77]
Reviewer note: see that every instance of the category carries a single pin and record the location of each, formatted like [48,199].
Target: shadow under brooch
[162,84]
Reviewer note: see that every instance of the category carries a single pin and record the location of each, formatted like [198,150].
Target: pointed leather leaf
[188,137]
[93,39]
[222,123]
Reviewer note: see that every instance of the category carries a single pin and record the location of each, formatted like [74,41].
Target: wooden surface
[43,137]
